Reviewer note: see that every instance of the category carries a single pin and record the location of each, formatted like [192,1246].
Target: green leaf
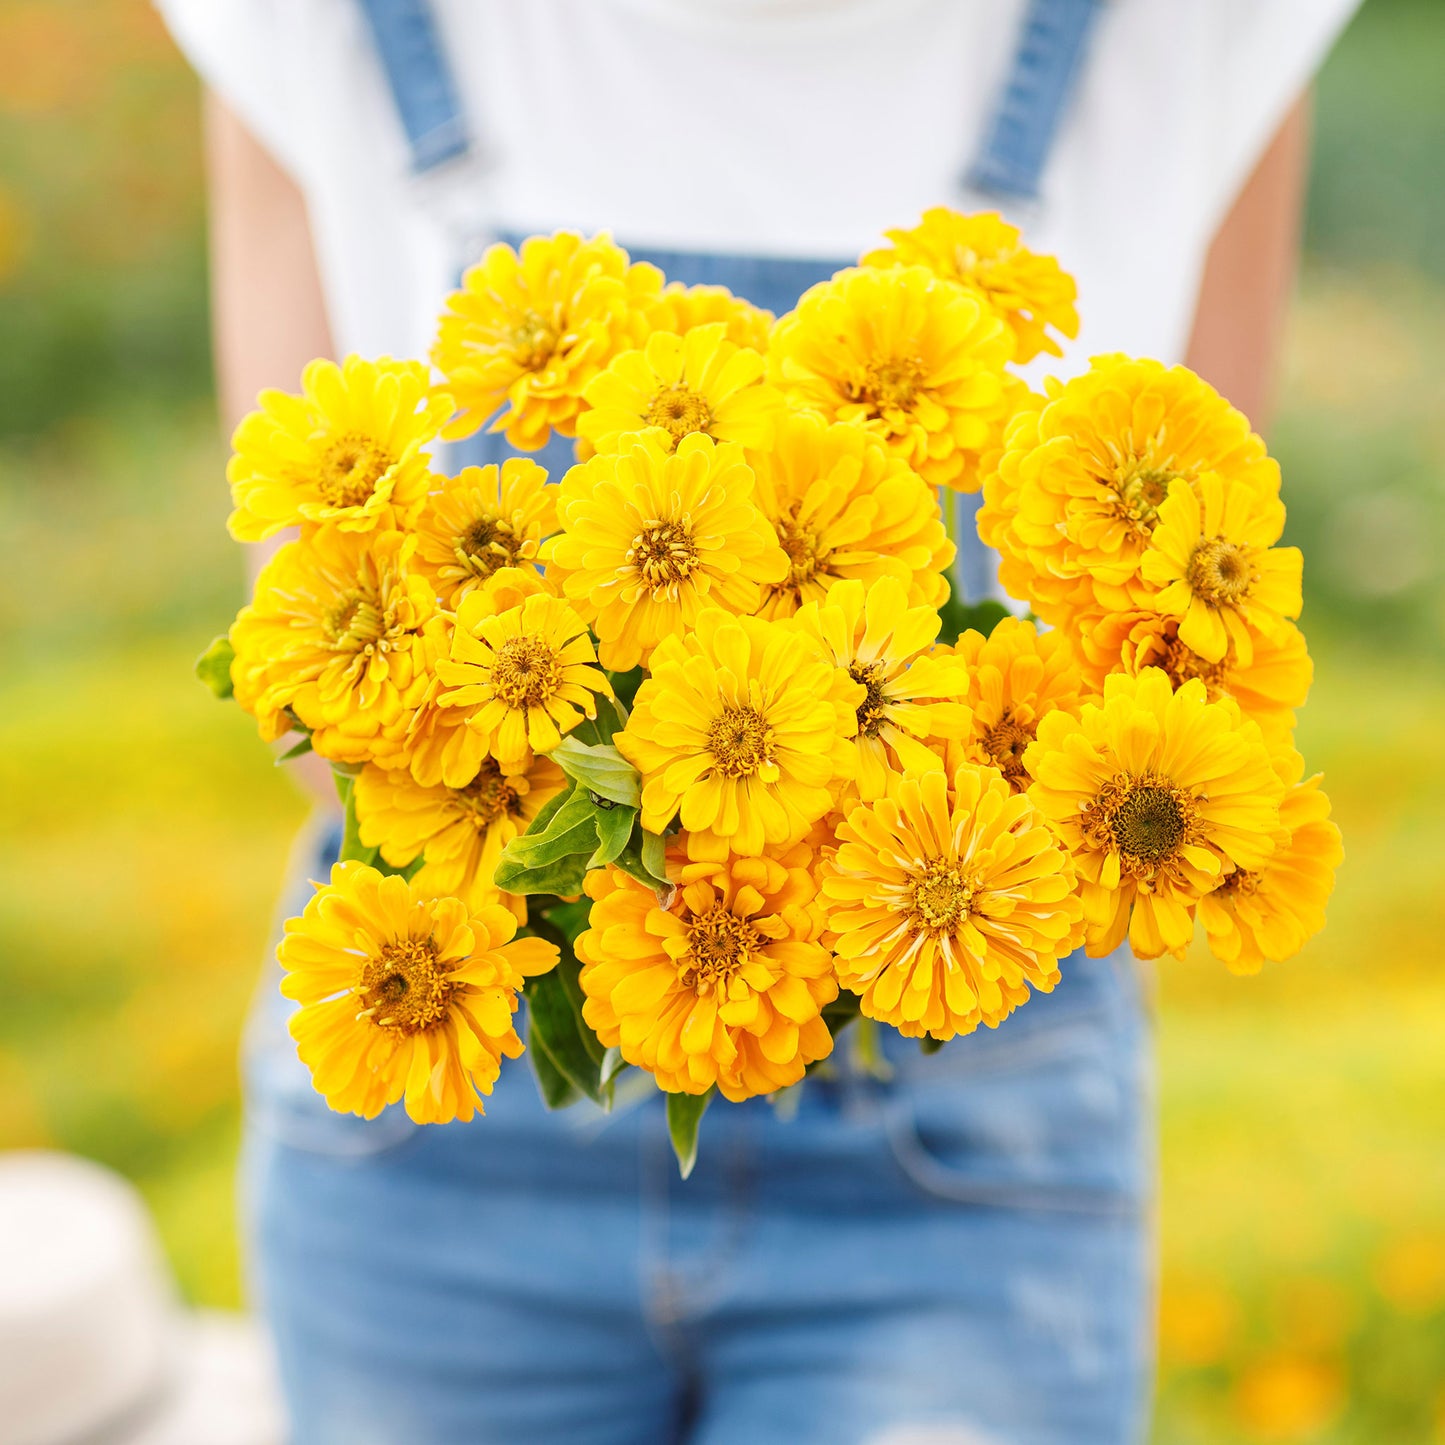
[605,771]
[684,1114]
[958,615]
[614,831]
[352,848]
[927,1044]
[611,719]
[645,859]
[612,1065]
[564,877]
[554,1086]
[213,666]
[568,968]
[300,750]
[551,1019]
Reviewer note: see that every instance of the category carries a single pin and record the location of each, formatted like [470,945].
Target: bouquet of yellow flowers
[694,748]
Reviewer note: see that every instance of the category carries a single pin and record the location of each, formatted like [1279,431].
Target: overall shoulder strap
[410,48]
[1048,59]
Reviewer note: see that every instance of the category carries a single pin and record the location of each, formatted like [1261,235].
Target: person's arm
[268,318]
[1248,278]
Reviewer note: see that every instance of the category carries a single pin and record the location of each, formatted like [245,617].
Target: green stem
[869,1052]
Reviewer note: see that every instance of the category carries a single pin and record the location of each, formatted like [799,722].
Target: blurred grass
[143,828]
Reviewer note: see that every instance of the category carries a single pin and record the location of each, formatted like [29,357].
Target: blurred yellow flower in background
[842,505]
[1157,794]
[946,902]
[481,520]
[333,637]
[524,676]
[725,987]
[917,360]
[1285,1397]
[404,995]
[461,831]
[675,386]
[883,644]
[745,727]
[528,331]
[349,450]
[1013,677]
[1031,293]
[680,308]
[650,537]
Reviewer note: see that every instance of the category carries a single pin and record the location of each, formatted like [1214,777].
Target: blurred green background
[144,829]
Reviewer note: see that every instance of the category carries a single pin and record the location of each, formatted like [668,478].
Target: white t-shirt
[781,127]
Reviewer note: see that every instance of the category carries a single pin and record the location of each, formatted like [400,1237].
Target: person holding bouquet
[947,1246]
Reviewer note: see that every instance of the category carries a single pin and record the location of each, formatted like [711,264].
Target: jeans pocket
[1051,1121]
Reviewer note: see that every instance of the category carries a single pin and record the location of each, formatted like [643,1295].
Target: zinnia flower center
[350,469]
[533,341]
[1141,485]
[486,545]
[355,622]
[664,554]
[405,987]
[873,710]
[718,944]
[1005,743]
[805,556]
[1182,663]
[679,412]
[489,796]
[740,742]
[1147,819]
[1239,884]
[889,385]
[1219,572]
[525,672]
[940,896]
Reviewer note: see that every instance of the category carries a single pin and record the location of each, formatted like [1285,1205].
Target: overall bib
[958,1255]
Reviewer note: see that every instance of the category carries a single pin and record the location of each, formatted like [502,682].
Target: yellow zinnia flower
[1272,911]
[945,905]
[348,450]
[525,676]
[842,506]
[1213,554]
[528,331]
[724,987]
[680,308]
[883,644]
[404,994]
[744,725]
[917,360]
[483,519]
[335,636]
[650,538]
[461,831]
[1157,794]
[1077,489]
[1276,681]
[678,385]
[1027,291]
[438,746]
[1014,676]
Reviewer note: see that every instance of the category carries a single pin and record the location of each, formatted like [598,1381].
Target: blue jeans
[957,1255]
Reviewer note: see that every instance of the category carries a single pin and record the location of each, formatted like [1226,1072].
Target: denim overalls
[958,1255]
